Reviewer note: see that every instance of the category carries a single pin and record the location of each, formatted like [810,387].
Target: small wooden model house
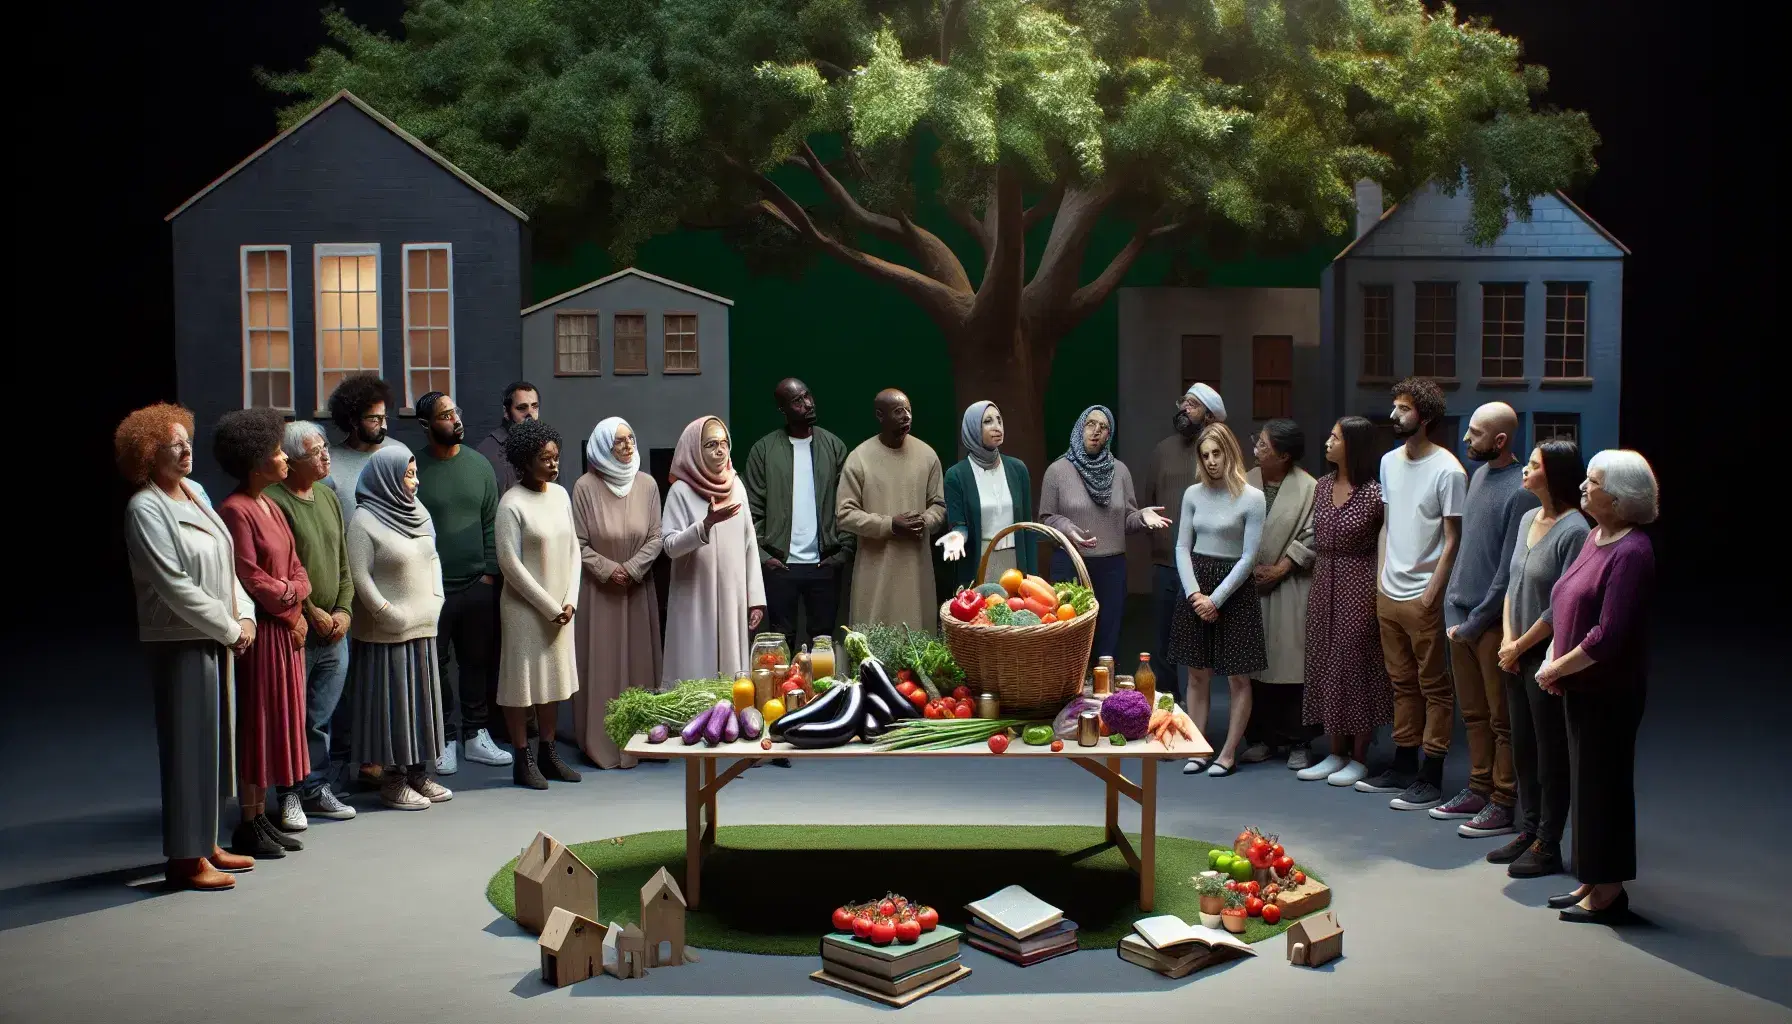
[1315,940]
[662,917]
[572,948]
[549,875]
[631,954]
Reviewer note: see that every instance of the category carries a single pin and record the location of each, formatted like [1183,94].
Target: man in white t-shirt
[1423,489]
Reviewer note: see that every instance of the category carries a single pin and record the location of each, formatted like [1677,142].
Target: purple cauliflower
[1127,712]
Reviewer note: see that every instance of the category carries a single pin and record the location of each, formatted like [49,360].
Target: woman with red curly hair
[192,615]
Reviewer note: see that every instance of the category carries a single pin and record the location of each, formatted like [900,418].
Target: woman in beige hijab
[717,595]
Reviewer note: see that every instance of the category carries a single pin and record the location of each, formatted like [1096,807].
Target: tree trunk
[1003,370]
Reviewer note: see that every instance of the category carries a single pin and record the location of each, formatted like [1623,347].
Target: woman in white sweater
[538,553]
[1220,626]
[393,672]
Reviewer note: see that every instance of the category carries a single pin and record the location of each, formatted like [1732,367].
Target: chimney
[1368,205]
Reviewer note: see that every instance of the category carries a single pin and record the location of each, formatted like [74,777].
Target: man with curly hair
[1423,488]
[458,487]
[358,407]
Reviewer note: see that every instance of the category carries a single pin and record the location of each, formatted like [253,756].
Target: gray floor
[382,918]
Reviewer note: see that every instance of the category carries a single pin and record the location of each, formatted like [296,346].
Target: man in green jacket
[792,476]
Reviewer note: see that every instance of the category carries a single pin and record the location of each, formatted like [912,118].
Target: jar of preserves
[771,664]
[821,657]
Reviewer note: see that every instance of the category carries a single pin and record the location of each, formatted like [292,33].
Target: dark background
[151,106]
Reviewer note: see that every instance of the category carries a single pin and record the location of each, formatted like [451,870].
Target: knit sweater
[1490,517]
[462,497]
[398,582]
[1064,502]
[1219,524]
[318,528]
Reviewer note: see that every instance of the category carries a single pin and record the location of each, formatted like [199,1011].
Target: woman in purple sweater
[1598,665]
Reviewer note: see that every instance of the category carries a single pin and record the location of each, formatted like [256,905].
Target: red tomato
[883,933]
[1271,913]
[928,918]
[964,711]
[861,927]
[932,711]
[842,919]
[1300,878]
[908,931]
[886,909]
[767,660]
[998,743]
[1283,864]
[961,693]
[1057,745]
[766,743]
[1230,884]
[905,687]
[917,697]
[1276,850]
[1251,887]
[1253,906]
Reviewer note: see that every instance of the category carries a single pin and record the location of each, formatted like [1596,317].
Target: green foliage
[633,117]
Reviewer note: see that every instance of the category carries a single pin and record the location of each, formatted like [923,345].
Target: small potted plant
[1233,916]
[1212,891]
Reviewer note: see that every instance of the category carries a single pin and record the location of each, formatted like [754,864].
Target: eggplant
[816,710]
[752,723]
[876,710]
[712,729]
[730,726]
[692,734]
[836,729]
[657,734]
[877,683]
[872,730]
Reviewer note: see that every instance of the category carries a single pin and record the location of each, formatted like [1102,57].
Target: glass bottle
[1145,679]
[771,664]
[821,657]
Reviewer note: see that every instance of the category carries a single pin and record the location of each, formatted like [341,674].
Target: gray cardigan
[1534,570]
[183,568]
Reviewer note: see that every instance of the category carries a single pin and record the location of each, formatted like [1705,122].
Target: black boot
[248,841]
[524,771]
[1542,858]
[548,757]
[266,827]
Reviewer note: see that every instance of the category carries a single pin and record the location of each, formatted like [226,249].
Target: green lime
[1240,869]
[1214,856]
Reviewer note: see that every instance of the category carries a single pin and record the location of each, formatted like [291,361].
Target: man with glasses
[358,408]
[456,484]
[321,538]
[1174,468]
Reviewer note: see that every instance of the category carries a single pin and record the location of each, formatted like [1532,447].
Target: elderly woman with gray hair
[315,515]
[1598,665]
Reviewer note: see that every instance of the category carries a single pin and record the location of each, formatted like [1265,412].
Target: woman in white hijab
[616,514]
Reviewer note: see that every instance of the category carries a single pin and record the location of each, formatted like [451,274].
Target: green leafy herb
[636,709]
[1075,595]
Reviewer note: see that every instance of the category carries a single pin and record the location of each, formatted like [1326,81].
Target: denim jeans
[326,669]
[1166,593]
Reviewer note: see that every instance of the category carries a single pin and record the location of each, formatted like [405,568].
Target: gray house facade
[1534,320]
[343,245]
[632,344]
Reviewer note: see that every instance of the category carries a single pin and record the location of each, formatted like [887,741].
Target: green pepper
[1117,740]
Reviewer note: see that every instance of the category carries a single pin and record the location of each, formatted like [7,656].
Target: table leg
[1147,832]
[1113,805]
[709,802]
[693,829]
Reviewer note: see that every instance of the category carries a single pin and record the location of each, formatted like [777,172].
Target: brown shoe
[199,875]
[224,860]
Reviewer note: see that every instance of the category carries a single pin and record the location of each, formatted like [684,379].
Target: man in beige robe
[892,497]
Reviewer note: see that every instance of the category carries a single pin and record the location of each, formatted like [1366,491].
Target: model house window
[428,320]
[1378,330]
[681,342]
[1272,376]
[348,313]
[1565,330]
[1550,426]
[1434,329]
[575,344]
[629,337]
[267,326]
[1502,331]
[1200,361]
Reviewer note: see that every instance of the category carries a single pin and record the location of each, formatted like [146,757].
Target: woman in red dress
[1347,689]
[271,747]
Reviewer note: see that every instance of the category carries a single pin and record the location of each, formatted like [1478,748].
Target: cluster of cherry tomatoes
[881,922]
[956,704]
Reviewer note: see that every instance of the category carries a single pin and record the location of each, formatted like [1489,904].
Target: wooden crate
[1304,899]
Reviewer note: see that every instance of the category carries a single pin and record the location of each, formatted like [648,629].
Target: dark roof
[1559,194]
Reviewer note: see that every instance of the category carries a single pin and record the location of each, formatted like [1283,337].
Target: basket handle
[1049,533]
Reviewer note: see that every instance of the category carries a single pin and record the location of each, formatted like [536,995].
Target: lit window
[575,344]
[428,320]
[267,326]
[348,313]
[681,342]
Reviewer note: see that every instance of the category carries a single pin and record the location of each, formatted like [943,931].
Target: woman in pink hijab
[717,596]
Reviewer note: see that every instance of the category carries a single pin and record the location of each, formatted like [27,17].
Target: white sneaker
[326,804]
[1349,775]
[481,750]
[401,797]
[1324,769]
[292,816]
[449,762]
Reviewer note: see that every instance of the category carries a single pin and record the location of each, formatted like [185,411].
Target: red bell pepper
[966,605]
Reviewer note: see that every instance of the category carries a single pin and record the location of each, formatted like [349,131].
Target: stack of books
[1019,927]
[1176,949]
[895,975]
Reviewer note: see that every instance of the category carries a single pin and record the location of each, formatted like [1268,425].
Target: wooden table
[702,781]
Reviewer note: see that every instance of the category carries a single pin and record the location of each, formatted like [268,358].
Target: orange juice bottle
[1144,679]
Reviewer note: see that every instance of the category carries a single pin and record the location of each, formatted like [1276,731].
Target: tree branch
[1084,300]
[1060,264]
[999,295]
[966,219]
[886,228]
[935,256]
[1045,207]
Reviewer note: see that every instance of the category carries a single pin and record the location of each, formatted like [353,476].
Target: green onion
[941,733]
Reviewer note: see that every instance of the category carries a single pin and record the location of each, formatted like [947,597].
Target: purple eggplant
[718,718]
[731,726]
[752,723]
[657,734]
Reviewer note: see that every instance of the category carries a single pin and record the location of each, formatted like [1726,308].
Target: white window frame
[410,400]
[242,287]
[318,252]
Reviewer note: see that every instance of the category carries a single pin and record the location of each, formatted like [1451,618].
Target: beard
[370,436]
[452,436]
[1186,425]
[1402,431]
[1482,455]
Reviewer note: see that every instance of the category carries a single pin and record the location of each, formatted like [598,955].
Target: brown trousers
[1412,644]
[1481,690]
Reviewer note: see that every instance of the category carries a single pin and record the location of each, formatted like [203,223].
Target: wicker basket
[1033,670]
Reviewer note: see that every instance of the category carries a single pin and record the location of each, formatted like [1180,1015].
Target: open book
[1171,946]
[1167,932]
[1017,912]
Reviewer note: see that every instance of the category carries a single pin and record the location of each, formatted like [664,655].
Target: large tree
[621,119]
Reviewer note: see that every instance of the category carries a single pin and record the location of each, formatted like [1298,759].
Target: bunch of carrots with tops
[1169,721]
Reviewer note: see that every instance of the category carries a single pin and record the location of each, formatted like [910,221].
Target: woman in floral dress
[1347,688]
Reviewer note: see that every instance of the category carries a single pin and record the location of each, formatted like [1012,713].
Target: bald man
[1472,607]
[892,497]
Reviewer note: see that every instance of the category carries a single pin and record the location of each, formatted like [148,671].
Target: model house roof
[542,854]
[383,121]
[661,880]
[600,282]
[1541,237]
[1322,925]
[563,924]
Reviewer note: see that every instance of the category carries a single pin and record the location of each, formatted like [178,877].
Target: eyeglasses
[373,419]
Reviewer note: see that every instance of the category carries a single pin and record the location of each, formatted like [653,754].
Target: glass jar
[1145,678]
[771,665]
[821,657]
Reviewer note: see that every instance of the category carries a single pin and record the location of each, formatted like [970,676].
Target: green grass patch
[771,888]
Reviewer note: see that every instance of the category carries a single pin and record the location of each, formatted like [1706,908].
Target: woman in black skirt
[1219,628]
